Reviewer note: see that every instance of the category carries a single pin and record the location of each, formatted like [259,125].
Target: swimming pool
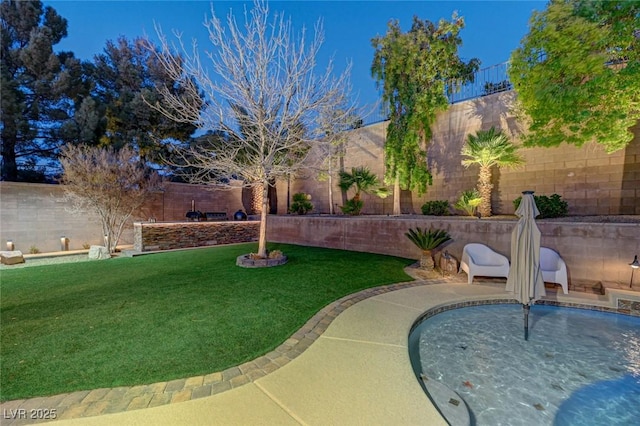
[579,367]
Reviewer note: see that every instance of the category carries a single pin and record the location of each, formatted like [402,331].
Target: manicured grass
[159,317]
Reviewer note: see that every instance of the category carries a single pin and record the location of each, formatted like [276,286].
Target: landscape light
[634,265]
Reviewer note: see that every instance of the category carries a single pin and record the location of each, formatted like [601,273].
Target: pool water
[579,367]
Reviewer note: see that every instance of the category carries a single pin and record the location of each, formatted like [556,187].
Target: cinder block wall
[177,199]
[36,215]
[590,180]
[593,252]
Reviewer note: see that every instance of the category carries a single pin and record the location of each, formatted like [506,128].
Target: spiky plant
[469,201]
[427,240]
[489,148]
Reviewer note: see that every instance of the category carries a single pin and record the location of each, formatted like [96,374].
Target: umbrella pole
[526,321]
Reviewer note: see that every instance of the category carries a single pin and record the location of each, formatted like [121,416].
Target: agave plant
[427,240]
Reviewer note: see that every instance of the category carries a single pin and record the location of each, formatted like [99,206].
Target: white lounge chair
[480,260]
[554,270]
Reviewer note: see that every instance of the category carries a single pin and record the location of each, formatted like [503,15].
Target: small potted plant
[427,241]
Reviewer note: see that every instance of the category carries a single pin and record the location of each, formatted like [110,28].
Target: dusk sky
[493,28]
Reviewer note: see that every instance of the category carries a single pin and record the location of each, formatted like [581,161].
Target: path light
[634,265]
[10,245]
[64,243]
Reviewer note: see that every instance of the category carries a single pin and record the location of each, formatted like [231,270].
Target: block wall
[36,215]
[590,180]
[593,252]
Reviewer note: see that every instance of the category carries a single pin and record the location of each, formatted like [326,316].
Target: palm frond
[488,148]
[428,239]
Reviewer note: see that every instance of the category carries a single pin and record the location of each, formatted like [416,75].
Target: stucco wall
[593,252]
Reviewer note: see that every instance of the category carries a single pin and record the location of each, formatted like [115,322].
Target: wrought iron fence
[486,81]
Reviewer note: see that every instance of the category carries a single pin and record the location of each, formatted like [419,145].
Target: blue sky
[493,28]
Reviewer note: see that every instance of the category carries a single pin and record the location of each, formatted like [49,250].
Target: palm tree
[489,148]
[362,180]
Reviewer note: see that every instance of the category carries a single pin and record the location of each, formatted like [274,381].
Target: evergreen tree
[38,87]
[415,70]
[577,73]
[126,76]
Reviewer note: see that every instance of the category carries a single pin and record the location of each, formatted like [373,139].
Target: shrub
[274,254]
[468,201]
[34,250]
[553,206]
[301,203]
[436,208]
[352,207]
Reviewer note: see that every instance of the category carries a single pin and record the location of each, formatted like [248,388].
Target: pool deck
[348,365]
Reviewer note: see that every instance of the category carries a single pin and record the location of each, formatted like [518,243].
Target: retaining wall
[593,252]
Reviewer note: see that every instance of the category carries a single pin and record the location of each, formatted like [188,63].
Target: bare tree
[335,125]
[265,94]
[112,183]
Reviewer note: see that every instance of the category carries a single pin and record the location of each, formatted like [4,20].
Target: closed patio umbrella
[525,277]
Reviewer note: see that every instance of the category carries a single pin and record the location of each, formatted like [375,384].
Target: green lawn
[129,321]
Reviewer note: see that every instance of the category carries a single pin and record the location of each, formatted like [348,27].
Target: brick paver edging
[112,400]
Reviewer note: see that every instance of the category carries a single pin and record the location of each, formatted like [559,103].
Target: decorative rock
[99,253]
[11,257]
[245,261]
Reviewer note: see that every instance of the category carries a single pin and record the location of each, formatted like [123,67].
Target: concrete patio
[349,365]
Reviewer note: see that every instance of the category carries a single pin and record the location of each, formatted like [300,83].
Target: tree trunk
[252,199]
[426,260]
[262,239]
[272,194]
[396,196]
[9,167]
[485,187]
[330,184]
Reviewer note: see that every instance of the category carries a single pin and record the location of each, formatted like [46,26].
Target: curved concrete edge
[358,371]
[98,402]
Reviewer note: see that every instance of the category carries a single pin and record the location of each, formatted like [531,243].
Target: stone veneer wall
[593,252]
[168,236]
